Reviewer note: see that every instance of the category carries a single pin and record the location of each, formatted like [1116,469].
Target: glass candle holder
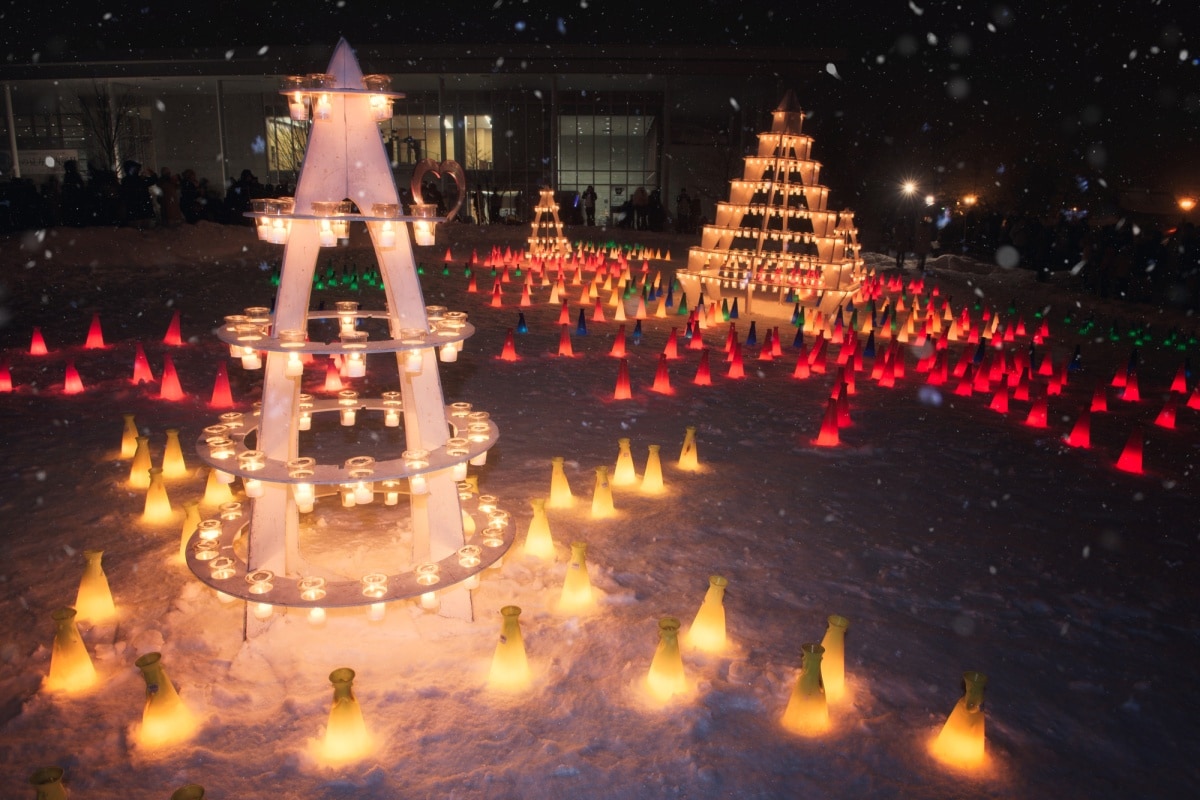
[391,413]
[348,404]
[304,422]
[220,447]
[364,486]
[222,568]
[387,235]
[252,460]
[303,493]
[423,234]
[391,491]
[312,588]
[355,343]
[297,97]
[346,491]
[448,353]
[347,311]
[206,550]
[374,585]
[434,313]
[258,315]
[262,224]
[251,359]
[208,530]
[487,503]
[460,410]
[322,105]
[456,447]
[380,103]
[261,581]
[230,511]
[233,420]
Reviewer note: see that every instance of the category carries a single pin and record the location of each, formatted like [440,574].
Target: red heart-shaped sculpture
[452,168]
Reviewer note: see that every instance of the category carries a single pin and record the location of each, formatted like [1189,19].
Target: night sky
[1004,99]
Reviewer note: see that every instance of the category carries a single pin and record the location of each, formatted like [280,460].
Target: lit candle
[448,353]
[387,235]
[322,108]
[250,358]
[295,366]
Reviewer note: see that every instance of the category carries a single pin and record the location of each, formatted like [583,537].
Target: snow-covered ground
[953,537]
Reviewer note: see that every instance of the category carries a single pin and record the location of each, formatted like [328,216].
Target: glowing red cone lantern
[1179,385]
[509,351]
[736,367]
[697,340]
[222,395]
[95,337]
[598,311]
[170,389]
[776,345]
[1194,399]
[662,380]
[526,300]
[1166,417]
[1021,390]
[72,384]
[472,285]
[828,437]
[999,402]
[564,342]
[671,350]
[843,407]
[37,344]
[1038,414]
[497,297]
[564,316]
[1131,393]
[623,390]
[1119,378]
[173,336]
[333,379]
[1081,431]
[703,372]
[618,348]
[964,388]
[766,352]
[1099,399]
[1046,368]
[801,371]
[6,384]
[1131,456]
[141,366]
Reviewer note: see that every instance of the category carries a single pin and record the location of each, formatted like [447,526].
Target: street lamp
[909,188]
[1186,204]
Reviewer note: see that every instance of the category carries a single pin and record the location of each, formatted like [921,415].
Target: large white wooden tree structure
[346,179]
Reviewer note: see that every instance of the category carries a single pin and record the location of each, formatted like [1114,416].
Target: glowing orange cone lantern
[95,337]
[1131,456]
[158,505]
[509,352]
[564,316]
[141,366]
[602,497]
[671,350]
[618,348]
[1081,431]
[802,370]
[624,473]
[538,542]
[170,390]
[497,296]
[173,336]
[37,344]
[333,379]
[510,665]
[564,343]
[652,478]
[94,600]
[216,491]
[165,719]
[71,667]
[72,384]
[662,378]
[346,737]
[173,466]
[129,436]
[707,632]
[833,662]
[666,677]
[577,587]
[961,740]
[139,469]
[828,436]
[623,390]
[1166,417]
[560,489]
[703,371]
[689,456]
[191,521]
[807,712]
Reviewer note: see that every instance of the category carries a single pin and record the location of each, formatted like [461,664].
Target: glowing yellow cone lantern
[158,505]
[173,466]
[346,737]
[577,587]
[165,719]
[807,713]
[71,667]
[191,519]
[560,490]
[688,458]
[623,474]
[193,791]
[47,782]
[538,542]
[510,666]
[833,665]
[960,743]
[652,478]
[216,491]
[94,602]
[129,438]
[708,629]
[602,498]
[139,470]
[666,678]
